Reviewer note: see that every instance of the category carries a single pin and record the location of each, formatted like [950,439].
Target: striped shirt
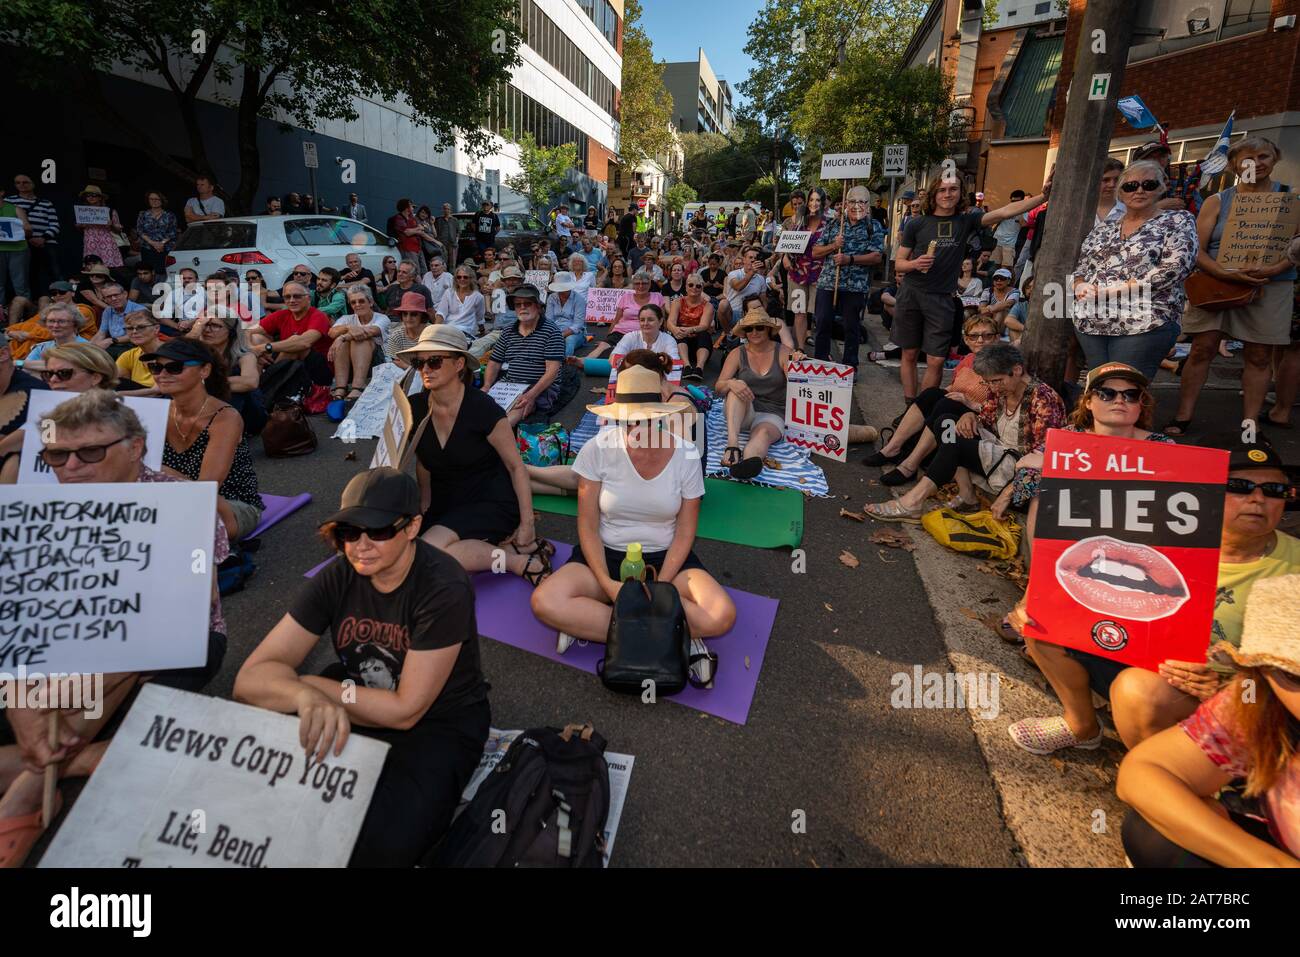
[525,357]
[42,215]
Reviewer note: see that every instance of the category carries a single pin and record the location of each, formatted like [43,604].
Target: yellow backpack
[978,534]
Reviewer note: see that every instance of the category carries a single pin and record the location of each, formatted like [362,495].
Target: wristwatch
[267,350]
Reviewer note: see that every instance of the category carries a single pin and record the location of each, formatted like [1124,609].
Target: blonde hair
[96,407]
[87,357]
[1251,144]
[1151,166]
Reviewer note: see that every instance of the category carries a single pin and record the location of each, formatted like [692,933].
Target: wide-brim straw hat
[1269,637]
[441,338]
[637,397]
[759,318]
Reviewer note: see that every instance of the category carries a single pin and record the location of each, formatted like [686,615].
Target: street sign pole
[311,161]
[895,168]
[889,233]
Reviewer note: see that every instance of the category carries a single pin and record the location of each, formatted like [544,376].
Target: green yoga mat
[744,514]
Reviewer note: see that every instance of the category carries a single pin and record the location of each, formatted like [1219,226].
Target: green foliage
[543,171]
[724,168]
[678,195]
[646,108]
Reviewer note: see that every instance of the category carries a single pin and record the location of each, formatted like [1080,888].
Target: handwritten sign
[193,781]
[1258,229]
[1126,547]
[105,578]
[601,305]
[365,420]
[11,229]
[91,215]
[818,396]
[506,394]
[397,426]
[32,468]
[540,278]
[794,241]
[846,166]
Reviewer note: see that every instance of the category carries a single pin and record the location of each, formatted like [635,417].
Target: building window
[545,37]
[1041,8]
[1160,30]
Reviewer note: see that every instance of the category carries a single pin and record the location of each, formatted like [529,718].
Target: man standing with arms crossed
[447,228]
[928,263]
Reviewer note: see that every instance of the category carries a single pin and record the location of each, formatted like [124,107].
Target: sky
[678,28]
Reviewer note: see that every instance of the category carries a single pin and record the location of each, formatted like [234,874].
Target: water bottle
[633,565]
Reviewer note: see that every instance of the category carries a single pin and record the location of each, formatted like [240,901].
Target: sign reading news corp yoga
[105,578]
[846,166]
[193,781]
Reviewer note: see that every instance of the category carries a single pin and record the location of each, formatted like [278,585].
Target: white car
[273,245]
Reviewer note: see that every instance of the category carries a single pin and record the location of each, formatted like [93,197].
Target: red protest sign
[1126,547]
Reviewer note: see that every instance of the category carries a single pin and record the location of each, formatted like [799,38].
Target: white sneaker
[563,643]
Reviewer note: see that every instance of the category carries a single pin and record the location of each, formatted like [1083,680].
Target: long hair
[1264,724]
[1081,415]
[218,381]
[930,196]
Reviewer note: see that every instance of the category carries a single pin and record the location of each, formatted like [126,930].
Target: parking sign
[896,160]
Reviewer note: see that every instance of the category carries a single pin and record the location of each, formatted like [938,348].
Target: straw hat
[441,338]
[757,317]
[96,270]
[92,190]
[1268,634]
[637,397]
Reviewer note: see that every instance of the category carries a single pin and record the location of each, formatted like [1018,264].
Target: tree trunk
[243,200]
[1085,137]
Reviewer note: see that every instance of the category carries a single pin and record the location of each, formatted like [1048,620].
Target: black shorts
[655,560]
[485,521]
[923,320]
[1102,672]
[614,338]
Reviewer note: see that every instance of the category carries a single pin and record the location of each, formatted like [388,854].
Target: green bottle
[633,565]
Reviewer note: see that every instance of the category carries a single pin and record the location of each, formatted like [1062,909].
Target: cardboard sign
[1126,547]
[32,469]
[601,305]
[91,215]
[818,396]
[193,781]
[794,241]
[541,278]
[846,166]
[506,394]
[397,426]
[1258,229]
[11,229]
[366,418]
[106,578]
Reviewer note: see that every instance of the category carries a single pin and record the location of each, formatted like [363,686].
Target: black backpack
[554,789]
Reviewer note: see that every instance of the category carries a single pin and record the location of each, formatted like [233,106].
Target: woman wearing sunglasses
[474,489]
[142,334]
[1144,703]
[205,435]
[1128,284]
[1261,325]
[401,619]
[690,323]
[387,276]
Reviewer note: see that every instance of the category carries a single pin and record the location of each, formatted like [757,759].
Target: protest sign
[601,304]
[193,781]
[31,468]
[106,578]
[506,394]
[91,215]
[818,397]
[620,774]
[1126,547]
[365,420]
[794,241]
[540,278]
[846,166]
[11,229]
[397,426]
[1258,228]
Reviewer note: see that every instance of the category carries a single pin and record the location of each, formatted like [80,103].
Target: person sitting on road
[355,337]
[650,335]
[205,435]
[566,306]
[428,701]
[406,283]
[1144,703]
[1014,421]
[222,331]
[1180,782]
[502,302]
[634,487]
[531,353]
[463,306]
[584,274]
[690,323]
[297,332]
[142,332]
[94,438]
[61,321]
[614,276]
[474,491]
[412,318]
[752,381]
[627,313]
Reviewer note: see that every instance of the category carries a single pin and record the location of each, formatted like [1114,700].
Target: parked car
[520,230]
[275,244]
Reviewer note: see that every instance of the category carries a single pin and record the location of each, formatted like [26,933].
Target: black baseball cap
[1149,149]
[377,499]
[185,350]
[1259,454]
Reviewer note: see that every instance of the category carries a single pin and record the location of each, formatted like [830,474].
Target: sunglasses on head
[175,367]
[1147,185]
[347,534]
[89,454]
[63,375]
[1241,486]
[1110,395]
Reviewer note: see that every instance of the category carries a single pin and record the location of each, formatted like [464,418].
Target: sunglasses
[300,274]
[1241,486]
[981,336]
[63,375]
[175,367]
[139,327]
[1147,186]
[695,285]
[347,534]
[1131,396]
[433,362]
[88,454]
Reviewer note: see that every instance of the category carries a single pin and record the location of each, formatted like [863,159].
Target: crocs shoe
[563,643]
[1047,735]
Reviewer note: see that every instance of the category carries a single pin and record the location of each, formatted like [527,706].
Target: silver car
[275,244]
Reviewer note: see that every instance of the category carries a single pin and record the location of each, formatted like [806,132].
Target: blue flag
[1216,161]
[1136,113]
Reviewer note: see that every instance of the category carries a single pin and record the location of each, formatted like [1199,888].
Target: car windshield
[223,234]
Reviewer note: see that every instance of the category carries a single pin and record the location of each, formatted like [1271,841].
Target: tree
[543,170]
[295,61]
[716,168]
[645,106]
[678,195]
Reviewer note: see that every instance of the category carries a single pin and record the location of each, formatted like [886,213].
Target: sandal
[547,548]
[726,453]
[1177,427]
[893,511]
[18,835]
[747,468]
[539,576]
[338,392]
[353,394]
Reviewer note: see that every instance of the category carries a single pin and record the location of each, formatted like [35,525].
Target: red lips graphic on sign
[1126,547]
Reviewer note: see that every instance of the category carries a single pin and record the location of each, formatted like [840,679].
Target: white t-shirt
[756,286]
[377,320]
[466,316]
[437,287]
[634,509]
[563,225]
[665,344]
[211,205]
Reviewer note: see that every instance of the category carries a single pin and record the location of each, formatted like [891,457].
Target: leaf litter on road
[849,560]
[893,538]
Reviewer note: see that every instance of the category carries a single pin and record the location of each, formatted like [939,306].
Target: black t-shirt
[486,225]
[394,293]
[13,403]
[951,235]
[468,469]
[363,275]
[714,280]
[627,225]
[372,631]
[146,295]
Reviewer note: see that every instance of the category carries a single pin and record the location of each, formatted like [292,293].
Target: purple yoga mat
[278,508]
[502,608]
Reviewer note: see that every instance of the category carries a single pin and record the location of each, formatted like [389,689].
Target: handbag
[287,432]
[649,639]
[979,534]
[1214,295]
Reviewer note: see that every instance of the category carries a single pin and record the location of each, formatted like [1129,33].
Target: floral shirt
[1025,483]
[1161,253]
[864,236]
[1040,409]
[804,270]
[161,230]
